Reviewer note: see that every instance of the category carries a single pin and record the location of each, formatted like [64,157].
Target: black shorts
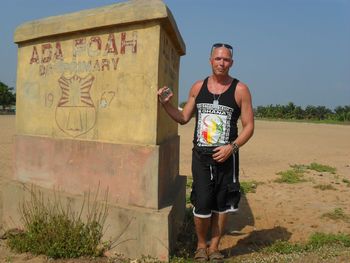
[215,185]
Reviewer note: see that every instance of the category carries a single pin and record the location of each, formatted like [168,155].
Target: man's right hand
[165,94]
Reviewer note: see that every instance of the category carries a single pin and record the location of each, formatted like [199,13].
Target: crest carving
[75,112]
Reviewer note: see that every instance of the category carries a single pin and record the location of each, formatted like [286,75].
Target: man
[218,101]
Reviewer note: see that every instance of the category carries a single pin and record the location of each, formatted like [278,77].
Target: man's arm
[244,100]
[185,115]
[247,114]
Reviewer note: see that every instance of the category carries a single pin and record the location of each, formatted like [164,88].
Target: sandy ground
[285,211]
[276,211]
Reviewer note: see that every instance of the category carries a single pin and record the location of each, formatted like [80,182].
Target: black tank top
[216,124]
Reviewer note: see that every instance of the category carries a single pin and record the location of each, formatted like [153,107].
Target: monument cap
[130,12]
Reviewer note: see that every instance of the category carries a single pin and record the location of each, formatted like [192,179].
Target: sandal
[216,256]
[201,254]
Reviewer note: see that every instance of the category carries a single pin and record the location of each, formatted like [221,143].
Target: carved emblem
[75,112]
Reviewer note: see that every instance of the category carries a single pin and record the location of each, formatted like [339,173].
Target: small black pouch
[233,194]
[205,154]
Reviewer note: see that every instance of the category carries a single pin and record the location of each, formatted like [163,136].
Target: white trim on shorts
[230,210]
[200,216]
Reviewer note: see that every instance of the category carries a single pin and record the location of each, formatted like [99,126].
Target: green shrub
[299,168]
[290,177]
[284,247]
[318,240]
[249,186]
[346,181]
[188,190]
[189,182]
[296,174]
[321,168]
[337,214]
[55,230]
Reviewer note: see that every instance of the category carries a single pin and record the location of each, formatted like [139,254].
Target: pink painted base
[134,174]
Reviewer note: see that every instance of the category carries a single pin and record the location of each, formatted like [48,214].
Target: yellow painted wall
[85,86]
[169,66]
[94,74]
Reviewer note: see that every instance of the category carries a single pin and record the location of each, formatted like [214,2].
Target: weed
[249,186]
[324,187]
[290,177]
[55,230]
[284,247]
[189,182]
[321,168]
[318,240]
[9,259]
[295,175]
[187,240]
[176,259]
[148,259]
[188,190]
[347,182]
[337,214]
[299,168]
[188,198]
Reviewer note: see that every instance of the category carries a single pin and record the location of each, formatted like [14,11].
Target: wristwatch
[235,147]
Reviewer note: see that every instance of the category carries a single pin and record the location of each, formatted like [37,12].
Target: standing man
[218,101]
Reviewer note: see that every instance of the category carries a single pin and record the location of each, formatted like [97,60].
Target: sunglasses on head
[217,45]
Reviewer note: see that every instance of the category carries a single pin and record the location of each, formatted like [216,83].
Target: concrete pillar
[88,114]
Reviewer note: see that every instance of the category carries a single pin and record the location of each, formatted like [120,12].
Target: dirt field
[286,211]
[277,210]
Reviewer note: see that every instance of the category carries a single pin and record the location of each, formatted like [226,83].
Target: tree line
[7,97]
[292,111]
[289,111]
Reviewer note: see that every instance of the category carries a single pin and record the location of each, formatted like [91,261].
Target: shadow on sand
[242,242]
[255,240]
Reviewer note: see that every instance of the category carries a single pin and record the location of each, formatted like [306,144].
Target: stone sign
[88,115]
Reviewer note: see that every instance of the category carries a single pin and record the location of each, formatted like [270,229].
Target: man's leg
[202,226]
[218,224]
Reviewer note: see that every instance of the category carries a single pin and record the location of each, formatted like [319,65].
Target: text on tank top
[216,124]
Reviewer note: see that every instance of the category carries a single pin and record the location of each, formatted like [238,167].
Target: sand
[286,211]
[275,211]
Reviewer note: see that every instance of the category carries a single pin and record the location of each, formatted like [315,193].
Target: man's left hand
[222,153]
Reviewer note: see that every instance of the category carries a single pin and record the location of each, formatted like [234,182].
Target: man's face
[221,61]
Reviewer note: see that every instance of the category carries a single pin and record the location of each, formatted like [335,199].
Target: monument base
[133,231]
[138,175]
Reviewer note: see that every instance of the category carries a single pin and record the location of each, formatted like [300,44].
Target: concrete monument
[88,115]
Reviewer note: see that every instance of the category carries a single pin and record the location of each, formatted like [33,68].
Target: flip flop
[216,256]
[201,254]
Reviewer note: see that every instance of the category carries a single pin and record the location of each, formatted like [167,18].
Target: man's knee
[203,207]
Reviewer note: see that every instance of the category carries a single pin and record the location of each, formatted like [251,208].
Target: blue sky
[285,50]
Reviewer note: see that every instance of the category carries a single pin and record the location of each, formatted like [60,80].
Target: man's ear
[210,61]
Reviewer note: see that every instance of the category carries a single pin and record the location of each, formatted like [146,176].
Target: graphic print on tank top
[213,127]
